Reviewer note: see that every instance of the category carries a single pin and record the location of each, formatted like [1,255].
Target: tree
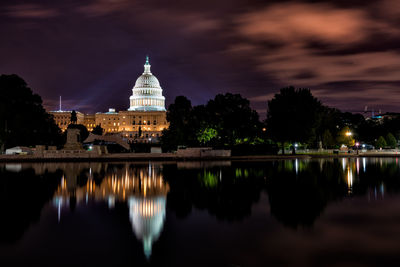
[293,116]
[392,125]
[327,139]
[381,142]
[370,130]
[179,113]
[233,118]
[180,131]
[327,120]
[226,120]
[23,120]
[74,118]
[204,136]
[98,130]
[391,141]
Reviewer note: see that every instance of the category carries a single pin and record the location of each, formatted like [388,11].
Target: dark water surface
[322,212]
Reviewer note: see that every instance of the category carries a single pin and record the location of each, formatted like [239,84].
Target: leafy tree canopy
[391,140]
[23,120]
[221,122]
[381,142]
[233,118]
[293,115]
[327,139]
[204,136]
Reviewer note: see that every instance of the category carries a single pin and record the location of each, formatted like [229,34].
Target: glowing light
[364,164]
[358,165]
[349,181]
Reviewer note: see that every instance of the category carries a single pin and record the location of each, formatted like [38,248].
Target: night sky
[91,52]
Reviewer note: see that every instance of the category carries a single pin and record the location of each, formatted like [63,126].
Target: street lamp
[348,134]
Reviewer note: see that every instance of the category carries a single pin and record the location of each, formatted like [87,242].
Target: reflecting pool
[317,212]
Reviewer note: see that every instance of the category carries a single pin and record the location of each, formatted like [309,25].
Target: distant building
[390,115]
[385,116]
[143,121]
[63,118]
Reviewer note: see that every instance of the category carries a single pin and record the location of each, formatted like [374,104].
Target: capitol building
[143,121]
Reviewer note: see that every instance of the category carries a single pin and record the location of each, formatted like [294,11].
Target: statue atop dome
[147,66]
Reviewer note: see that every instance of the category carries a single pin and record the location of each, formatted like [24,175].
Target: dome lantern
[147,66]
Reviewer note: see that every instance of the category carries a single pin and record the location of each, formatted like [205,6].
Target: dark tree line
[225,121]
[293,116]
[23,120]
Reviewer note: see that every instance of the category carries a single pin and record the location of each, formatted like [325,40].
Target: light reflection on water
[144,191]
[297,194]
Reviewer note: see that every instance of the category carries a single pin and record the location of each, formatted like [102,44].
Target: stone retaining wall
[202,152]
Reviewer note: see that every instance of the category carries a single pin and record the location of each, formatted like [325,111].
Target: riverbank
[87,157]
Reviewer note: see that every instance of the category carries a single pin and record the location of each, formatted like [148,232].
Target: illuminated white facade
[147,92]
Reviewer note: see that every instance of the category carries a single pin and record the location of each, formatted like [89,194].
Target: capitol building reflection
[143,189]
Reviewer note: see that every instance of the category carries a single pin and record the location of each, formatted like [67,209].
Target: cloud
[31,11]
[105,7]
[262,98]
[145,15]
[360,94]
[351,95]
[320,44]
[290,62]
[388,9]
[297,22]
[198,23]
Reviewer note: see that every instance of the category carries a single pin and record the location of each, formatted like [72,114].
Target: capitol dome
[147,80]
[147,92]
